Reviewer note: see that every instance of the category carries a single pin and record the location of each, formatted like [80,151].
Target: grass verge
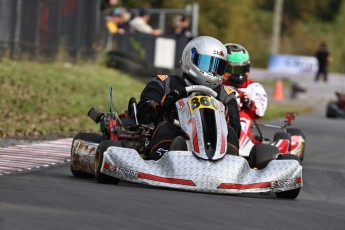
[54,98]
[39,99]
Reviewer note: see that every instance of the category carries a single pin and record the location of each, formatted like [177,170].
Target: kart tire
[261,154]
[290,194]
[282,136]
[101,177]
[289,157]
[92,137]
[331,111]
[298,132]
[179,144]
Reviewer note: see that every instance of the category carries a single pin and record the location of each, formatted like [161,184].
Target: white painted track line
[21,158]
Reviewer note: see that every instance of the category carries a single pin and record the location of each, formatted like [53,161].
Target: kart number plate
[202,102]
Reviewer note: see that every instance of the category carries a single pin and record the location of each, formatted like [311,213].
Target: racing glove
[170,99]
[246,102]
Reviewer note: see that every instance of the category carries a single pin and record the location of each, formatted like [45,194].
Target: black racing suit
[150,111]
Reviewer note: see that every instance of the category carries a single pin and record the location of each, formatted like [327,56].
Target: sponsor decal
[220,53]
[161,151]
[122,170]
[162,77]
[127,172]
[286,183]
[228,90]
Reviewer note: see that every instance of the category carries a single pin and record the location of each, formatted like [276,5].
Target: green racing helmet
[238,65]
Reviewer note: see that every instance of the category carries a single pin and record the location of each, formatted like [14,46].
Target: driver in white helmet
[203,62]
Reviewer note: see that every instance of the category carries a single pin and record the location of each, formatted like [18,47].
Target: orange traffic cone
[278,94]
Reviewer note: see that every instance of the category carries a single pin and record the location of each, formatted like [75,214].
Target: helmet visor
[209,63]
[239,70]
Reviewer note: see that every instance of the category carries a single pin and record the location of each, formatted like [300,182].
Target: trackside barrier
[146,54]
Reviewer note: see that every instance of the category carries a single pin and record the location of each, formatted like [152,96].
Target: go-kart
[336,108]
[198,161]
[287,140]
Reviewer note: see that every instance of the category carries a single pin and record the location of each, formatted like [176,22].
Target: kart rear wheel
[261,154]
[281,135]
[91,137]
[101,177]
[290,194]
[298,132]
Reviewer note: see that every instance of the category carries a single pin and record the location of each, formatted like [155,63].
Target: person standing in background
[113,20]
[324,59]
[140,23]
[181,26]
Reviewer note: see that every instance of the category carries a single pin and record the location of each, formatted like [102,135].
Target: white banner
[165,53]
[292,64]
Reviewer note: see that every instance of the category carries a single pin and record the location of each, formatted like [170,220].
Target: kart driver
[252,95]
[203,62]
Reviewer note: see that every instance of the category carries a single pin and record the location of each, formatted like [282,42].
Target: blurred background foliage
[249,22]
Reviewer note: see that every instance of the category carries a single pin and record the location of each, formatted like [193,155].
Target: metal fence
[146,54]
[45,28]
[42,28]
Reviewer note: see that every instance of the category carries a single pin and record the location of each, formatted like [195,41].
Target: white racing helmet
[204,60]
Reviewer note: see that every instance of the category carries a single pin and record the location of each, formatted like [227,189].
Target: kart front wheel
[90,137]
[101,177]
[261,154]
[290,194]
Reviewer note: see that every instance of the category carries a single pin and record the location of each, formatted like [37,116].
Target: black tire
[289,157]
[101,177]
[298,132]
[282,135]
[179,144]
[261,154]
[232,150]
[92,137]
[291,194]
[331,112]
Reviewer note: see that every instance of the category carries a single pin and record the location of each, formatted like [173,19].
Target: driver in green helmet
[252,95]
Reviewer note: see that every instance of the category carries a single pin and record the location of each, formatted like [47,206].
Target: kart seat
[128,121]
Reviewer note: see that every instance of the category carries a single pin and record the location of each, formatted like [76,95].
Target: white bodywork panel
[183,170]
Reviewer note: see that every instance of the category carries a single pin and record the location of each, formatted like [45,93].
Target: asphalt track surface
[51,198]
